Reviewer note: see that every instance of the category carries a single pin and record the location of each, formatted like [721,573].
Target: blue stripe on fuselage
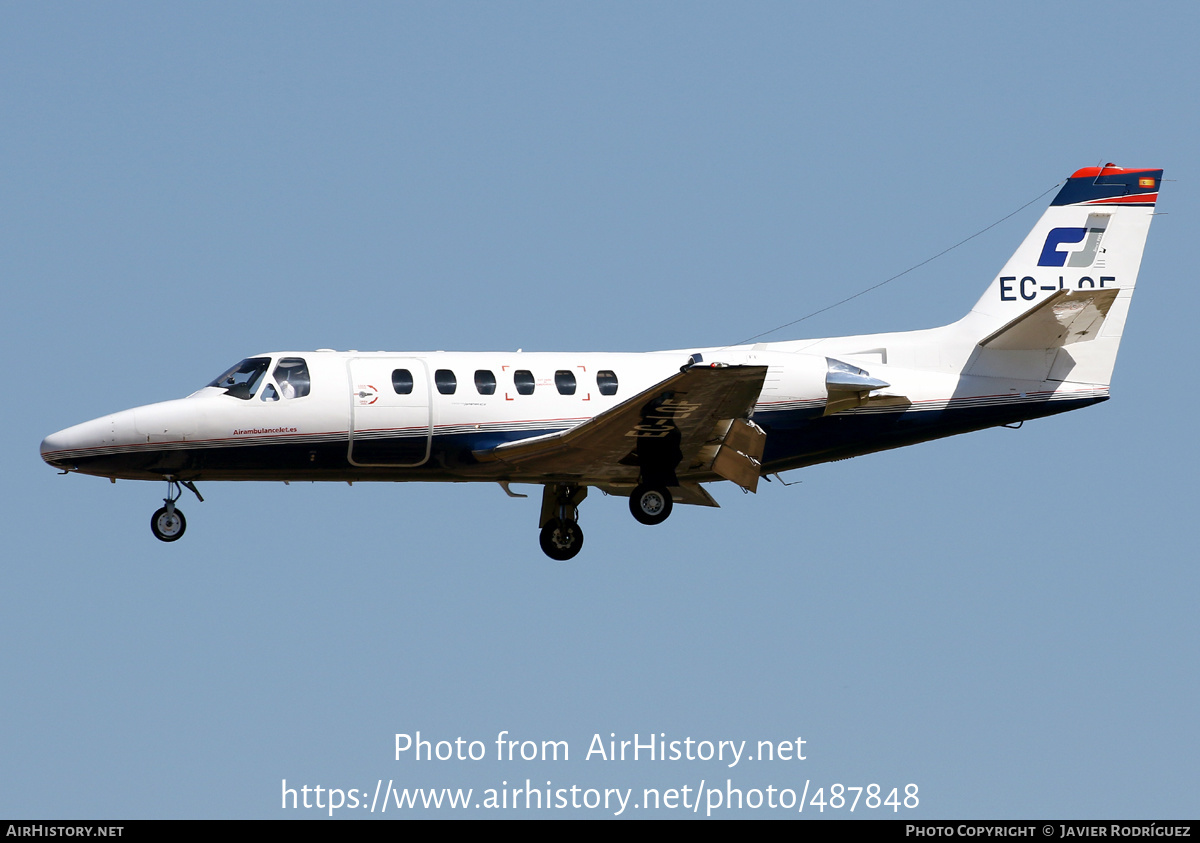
[799,438]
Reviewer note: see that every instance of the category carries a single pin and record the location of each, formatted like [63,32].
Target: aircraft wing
[694,422]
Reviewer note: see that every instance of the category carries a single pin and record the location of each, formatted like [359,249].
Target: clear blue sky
[1006,619]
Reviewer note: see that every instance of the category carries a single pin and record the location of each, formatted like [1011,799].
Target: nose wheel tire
[650,504]
[167,526]
[561,540]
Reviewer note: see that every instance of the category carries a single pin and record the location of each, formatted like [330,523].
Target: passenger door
[390,421]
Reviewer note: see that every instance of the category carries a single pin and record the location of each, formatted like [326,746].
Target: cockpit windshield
[243,379]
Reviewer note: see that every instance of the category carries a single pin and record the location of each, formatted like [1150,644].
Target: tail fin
[1065,292]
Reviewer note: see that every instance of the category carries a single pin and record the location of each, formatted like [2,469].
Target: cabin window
[291,373]
[445,381]
[242,380]
[607,381]
[485,382]
[564,379]
[523,380]
[402,381]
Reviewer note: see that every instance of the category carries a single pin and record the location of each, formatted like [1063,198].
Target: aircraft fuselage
[353,425]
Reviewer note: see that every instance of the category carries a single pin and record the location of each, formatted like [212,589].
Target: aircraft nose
[52,446]
[64,448]
[91,447]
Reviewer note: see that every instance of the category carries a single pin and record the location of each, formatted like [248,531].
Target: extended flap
[740,456]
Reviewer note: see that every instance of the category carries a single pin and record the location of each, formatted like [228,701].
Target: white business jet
[655,427]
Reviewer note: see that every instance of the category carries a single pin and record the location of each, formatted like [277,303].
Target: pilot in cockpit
[292,376]
[285,386]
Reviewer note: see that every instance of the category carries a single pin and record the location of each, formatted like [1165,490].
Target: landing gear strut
[561,537]
[168,523]
[650,504]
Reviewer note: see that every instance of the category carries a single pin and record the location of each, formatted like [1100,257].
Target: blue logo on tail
[1084,256]
[1051,256]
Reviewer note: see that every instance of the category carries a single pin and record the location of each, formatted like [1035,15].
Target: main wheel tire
[561,540]
[167,527]
[650,504]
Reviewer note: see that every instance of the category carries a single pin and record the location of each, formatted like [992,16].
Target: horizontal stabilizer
[1066,317]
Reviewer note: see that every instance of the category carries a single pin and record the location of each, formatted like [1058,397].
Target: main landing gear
[561,537]
[561,540]
[650,504]
[168,523]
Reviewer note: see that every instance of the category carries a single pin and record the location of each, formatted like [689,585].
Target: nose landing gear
[168,523]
